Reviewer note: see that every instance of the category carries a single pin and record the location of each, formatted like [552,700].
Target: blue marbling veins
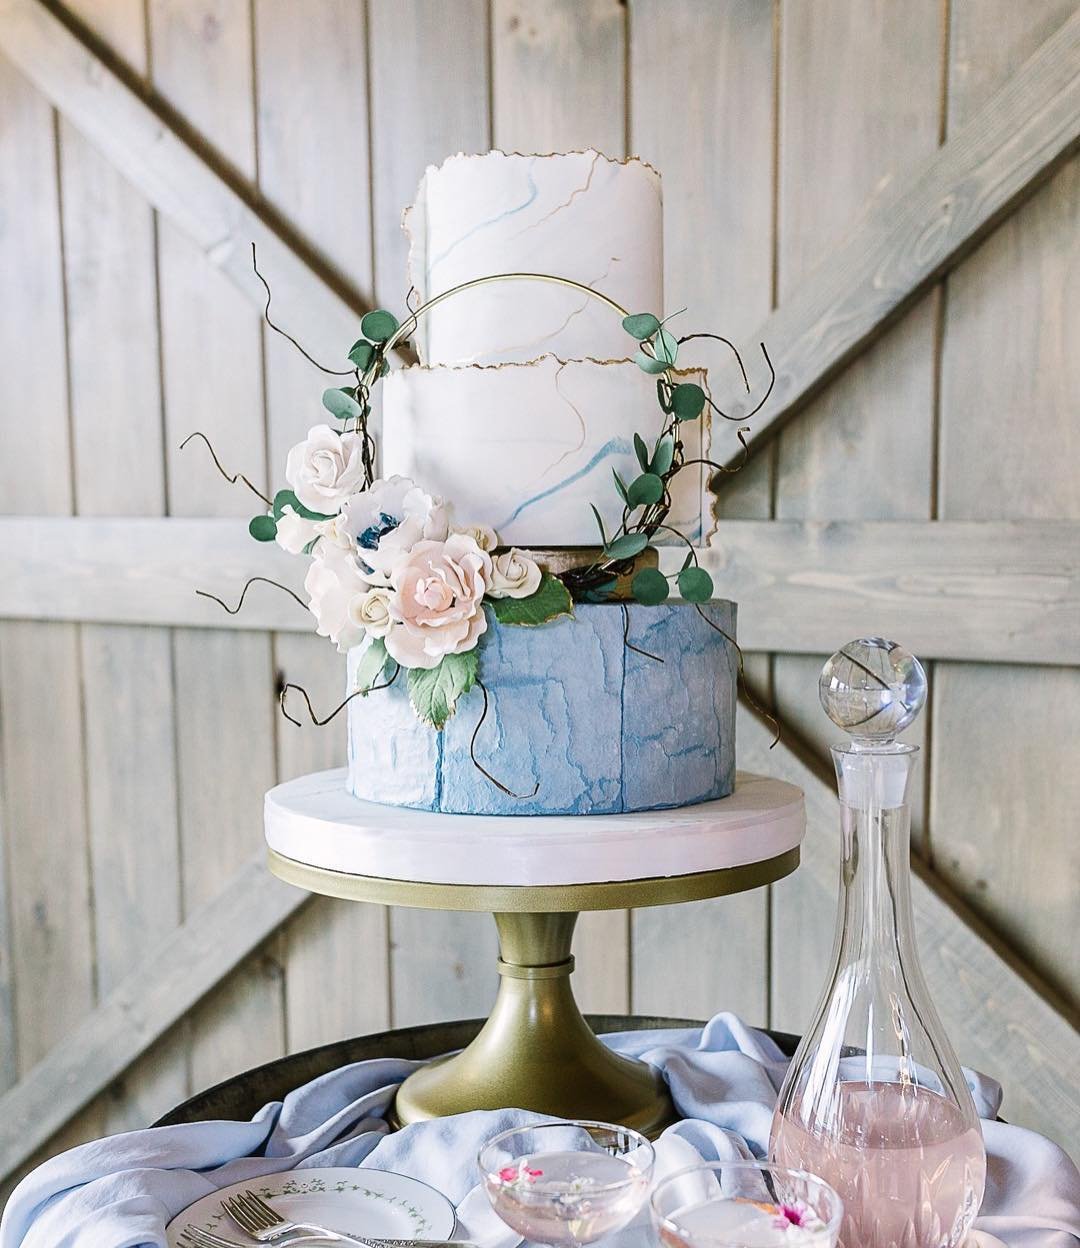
[613,446]
[601,728]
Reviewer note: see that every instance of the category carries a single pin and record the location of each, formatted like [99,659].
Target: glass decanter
[875,1101]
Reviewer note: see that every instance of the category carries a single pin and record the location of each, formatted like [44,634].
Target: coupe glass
[567,1183]
[745,1204]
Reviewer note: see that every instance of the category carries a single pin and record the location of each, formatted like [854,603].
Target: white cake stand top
[315,822]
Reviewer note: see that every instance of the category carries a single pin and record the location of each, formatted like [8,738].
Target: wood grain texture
[997,1021]
[312,134]
[176,179]
[862,450]
[1009,366]
[559,85]
[1005,591]
[922,223]
[442,966]
[705,72]
[213,368]
[176,974]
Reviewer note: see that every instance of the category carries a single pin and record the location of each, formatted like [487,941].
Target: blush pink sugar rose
[436,601]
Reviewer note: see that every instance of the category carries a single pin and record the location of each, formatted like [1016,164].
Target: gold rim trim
[542,899]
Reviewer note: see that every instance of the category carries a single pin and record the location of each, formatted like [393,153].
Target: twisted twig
[231,478]
[744,688]
[202,593]
[319,723]
[626,636]
[521,797]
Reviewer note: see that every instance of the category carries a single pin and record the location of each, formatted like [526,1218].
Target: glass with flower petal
[567,1183]
[745,1204]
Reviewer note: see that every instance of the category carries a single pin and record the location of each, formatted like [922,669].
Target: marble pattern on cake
[580,216]
[572,709]
[526,448]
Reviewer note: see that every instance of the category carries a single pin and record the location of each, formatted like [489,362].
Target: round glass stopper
[872,688]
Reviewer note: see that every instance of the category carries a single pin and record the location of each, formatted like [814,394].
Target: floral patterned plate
[354,1202]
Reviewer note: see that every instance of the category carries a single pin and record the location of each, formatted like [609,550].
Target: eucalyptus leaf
[620,485]
[599,524]
[287,498]
[379,325]
[601,592]
[666,346]
[361,353]
[695,585]
[650,587]
[688,401]
[342,405]
[372,665]
[687,561]
[663,456]
[434,691]
[663,393]
[642,452]
[626,546]
[641,325]
[550,601]
[263,528]
[648,364]
[645,490]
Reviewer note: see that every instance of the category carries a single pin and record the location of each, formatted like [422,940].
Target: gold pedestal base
[535,1050]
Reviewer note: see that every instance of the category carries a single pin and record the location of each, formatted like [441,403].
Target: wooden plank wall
[133,759]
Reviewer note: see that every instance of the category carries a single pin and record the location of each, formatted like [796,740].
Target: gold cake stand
[536,1051]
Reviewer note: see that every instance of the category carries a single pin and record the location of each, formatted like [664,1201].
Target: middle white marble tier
[525,448]
[578,215]
[314,820]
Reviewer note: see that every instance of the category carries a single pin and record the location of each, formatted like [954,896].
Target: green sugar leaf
[626,546]
[663,456]
[601,592]
[263,528]
[663,393]
[372,665]
[379,325]
[641,325]
[648,364]
[642,452]
[695,585]
[620,485]
[434,691]
[645,490]
[287,498]
[666,346]
[688,401]
[361,353]
[599,524]
[650,587]
[550,601]
[341,404]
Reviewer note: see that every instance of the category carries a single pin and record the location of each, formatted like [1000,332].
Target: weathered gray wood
[998,1022]
[695,66]
[176,179]
[920,225]
[212,365]
[313,133]
[1002,591]
[559,85]
[442,966]
[176,974]
[863,448]
[1005,781]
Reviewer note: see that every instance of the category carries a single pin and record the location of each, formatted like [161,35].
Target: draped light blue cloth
[120,1192]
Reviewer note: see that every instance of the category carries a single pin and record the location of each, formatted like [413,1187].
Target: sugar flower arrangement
[395,571]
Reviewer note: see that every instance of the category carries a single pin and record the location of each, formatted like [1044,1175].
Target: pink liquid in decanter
[908,1168]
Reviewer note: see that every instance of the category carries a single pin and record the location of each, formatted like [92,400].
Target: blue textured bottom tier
[572,708]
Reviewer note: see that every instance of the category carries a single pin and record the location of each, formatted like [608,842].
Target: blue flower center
[369,539]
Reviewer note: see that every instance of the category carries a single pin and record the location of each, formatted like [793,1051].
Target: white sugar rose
[334,584]
[325,469]
[437,601]
[294,532]
[372,611]
[486,538]
[514,576]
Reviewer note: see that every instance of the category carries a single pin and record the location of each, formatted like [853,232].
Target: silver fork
[194,1237]
[263,1222]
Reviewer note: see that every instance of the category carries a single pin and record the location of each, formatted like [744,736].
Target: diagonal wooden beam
[178,973]
[996,591]
[1001,1022]
[921,226]
[178,173]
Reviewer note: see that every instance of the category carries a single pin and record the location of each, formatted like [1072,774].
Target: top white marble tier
[581,216]
[314,820]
